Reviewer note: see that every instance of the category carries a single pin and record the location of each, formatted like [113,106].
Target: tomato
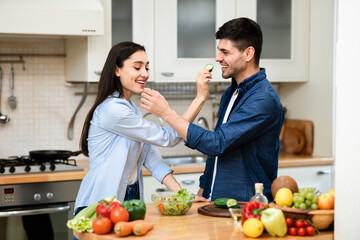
[301,231]
[310,230]
[102,225]
[289,222]
[119,214]
[299,224]
[307,223]
[161,207]
[292,231]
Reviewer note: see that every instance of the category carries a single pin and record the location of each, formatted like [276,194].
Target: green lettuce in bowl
[173,204]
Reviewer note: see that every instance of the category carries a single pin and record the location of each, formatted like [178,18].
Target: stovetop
[27,165]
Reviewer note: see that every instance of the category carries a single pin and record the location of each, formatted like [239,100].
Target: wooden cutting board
[213,211]
[297,137]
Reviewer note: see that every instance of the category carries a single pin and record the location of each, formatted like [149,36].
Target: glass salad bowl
[173,204]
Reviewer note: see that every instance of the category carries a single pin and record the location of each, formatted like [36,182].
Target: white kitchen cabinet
[185,36]
[318,177]
[85,56]
[125,20]
[286,27]
[190,181]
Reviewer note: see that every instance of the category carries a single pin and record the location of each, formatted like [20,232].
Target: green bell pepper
[274,222]
[136,209]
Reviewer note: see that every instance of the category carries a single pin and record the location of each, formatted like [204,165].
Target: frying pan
[49,155]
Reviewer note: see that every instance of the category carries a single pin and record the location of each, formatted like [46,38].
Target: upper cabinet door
[185,36]
[285,26]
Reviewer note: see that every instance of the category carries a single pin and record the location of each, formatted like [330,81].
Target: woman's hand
[202,80]
[200,199]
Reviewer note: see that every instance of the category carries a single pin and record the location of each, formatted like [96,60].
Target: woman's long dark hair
[109,83]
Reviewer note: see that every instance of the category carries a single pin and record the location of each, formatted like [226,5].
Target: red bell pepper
[104,208]
[252,209]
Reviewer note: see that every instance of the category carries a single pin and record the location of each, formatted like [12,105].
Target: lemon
[253,227]
[284,197]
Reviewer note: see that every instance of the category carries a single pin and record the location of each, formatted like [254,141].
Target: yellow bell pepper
[274,222]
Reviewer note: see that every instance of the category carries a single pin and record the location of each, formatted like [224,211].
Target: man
[243,149]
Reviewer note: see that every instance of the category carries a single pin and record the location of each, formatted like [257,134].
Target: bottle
[259,196]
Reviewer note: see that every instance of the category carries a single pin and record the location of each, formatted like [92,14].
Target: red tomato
[307,223]
[289,222]
[299,224]
[102,225]
[292,231]
[119,214]
[161,207]
[310,230]
[301,231]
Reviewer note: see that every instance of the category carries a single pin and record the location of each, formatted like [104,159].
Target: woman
[118,140]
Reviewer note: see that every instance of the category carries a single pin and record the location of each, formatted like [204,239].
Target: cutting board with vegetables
[214,211]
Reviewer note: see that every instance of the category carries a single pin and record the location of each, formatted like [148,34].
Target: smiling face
[234,63]
[134,74]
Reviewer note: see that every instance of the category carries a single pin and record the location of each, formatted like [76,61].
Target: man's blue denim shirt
[247,145]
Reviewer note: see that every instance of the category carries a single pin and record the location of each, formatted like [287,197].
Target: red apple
[326,201]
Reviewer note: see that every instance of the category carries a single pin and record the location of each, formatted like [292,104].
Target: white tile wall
[46,103]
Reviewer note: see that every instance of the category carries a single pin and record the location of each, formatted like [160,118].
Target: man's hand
[202,87]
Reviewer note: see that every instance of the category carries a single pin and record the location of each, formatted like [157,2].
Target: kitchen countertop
[42,177]
[192,226]
[284,161]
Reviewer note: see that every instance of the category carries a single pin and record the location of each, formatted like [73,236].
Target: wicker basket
[322,219]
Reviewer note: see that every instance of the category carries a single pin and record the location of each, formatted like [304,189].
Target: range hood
[52,17]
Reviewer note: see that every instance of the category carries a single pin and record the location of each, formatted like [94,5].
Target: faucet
[202,120]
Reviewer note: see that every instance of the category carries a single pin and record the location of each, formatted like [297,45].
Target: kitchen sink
[185,160]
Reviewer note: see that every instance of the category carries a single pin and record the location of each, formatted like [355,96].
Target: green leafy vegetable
[83,220]
[177,204]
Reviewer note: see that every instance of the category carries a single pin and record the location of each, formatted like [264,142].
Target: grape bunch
[306,198]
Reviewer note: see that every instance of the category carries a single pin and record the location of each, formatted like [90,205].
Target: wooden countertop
[284,161]
[192,226]
[42,177]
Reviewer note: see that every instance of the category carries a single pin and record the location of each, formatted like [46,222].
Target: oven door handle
[35,211]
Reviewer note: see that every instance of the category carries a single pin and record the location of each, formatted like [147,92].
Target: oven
[53,198]
[23,204]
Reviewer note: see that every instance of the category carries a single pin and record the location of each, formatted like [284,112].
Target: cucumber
[209,67]
[225,202]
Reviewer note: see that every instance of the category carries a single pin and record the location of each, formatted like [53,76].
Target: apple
[332,192]
[326,201]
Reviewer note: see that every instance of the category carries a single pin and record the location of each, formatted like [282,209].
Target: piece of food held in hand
[209,67]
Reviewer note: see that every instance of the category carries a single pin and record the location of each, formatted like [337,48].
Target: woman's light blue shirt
[117,133]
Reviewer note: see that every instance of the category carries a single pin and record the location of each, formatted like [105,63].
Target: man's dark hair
[243,32]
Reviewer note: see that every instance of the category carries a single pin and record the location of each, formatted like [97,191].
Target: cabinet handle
[188,182]
[98,73]
[161,190]
[167,74]
[322,172]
